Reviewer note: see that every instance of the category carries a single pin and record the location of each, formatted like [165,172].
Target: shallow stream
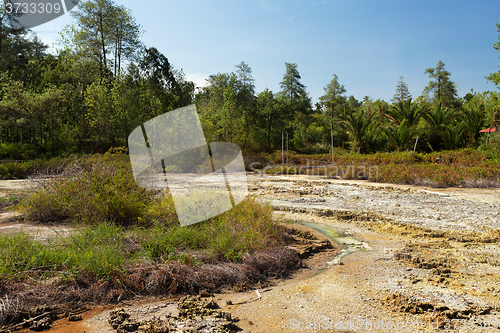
[351,244]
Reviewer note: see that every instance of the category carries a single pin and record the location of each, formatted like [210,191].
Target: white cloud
[199,79]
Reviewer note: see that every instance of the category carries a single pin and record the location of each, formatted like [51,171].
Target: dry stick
[287,148]
[282,149]
[43,315]
[331,137]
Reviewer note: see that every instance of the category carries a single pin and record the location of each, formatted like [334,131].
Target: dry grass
[18,299]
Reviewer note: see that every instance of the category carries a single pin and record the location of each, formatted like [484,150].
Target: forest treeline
[103,82]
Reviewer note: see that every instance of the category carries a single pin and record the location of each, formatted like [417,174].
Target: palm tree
[401,135]
[362,129]
[405,111]
[453,136]
[474,117]
[404,117]
[440,120]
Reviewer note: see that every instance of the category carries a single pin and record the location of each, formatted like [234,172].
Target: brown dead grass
[170,279]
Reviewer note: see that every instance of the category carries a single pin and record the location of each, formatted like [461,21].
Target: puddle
[351,244]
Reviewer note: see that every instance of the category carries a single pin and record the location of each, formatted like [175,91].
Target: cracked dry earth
[431,265]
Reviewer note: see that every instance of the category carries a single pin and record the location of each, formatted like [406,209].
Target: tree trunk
[52,135]
[103,43]
[269,134]
[34,140]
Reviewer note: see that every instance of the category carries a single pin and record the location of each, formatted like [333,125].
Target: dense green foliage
[103,82]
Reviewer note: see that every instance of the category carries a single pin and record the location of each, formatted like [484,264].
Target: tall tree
[495,77]
[402,93]
[26,107]
[441,87]
[126,37]
[244,74]
[291,88]
[334,99]
[297,104]
[271,110]
[103,28]
[168,84]
[246,96]
[9,25]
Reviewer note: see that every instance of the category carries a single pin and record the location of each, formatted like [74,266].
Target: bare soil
[432,263]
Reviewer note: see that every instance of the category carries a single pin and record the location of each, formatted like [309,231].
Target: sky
[368,44]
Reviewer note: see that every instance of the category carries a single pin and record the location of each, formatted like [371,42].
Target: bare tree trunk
[33,136]
[103,42]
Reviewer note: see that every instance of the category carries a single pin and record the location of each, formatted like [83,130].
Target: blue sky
[369,44]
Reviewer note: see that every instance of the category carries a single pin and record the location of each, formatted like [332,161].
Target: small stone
[204,293]
[74,317]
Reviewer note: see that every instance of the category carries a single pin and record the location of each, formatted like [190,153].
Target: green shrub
[4,171]
[95,251]
[91,189]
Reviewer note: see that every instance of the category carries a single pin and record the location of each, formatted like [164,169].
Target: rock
[204,293]
[42,324]
[75,317]
[129,325]
[117,317]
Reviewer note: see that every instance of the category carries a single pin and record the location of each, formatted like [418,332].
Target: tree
[168,84]
[404,118]
[103,28]
[291,87]
[271,110]
[26,107]
[443,89]
[126,37]
[400,135]
[402,93]
[362,129]
[9,25]
[246,96]
[474,118]
[443,132]
[244,74]
[296,104]
[495,77]
[411,112]
[334,99]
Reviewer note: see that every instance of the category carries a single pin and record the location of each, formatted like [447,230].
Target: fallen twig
[55,311]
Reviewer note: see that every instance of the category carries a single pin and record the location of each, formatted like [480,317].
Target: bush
[96,251]
[91,189]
